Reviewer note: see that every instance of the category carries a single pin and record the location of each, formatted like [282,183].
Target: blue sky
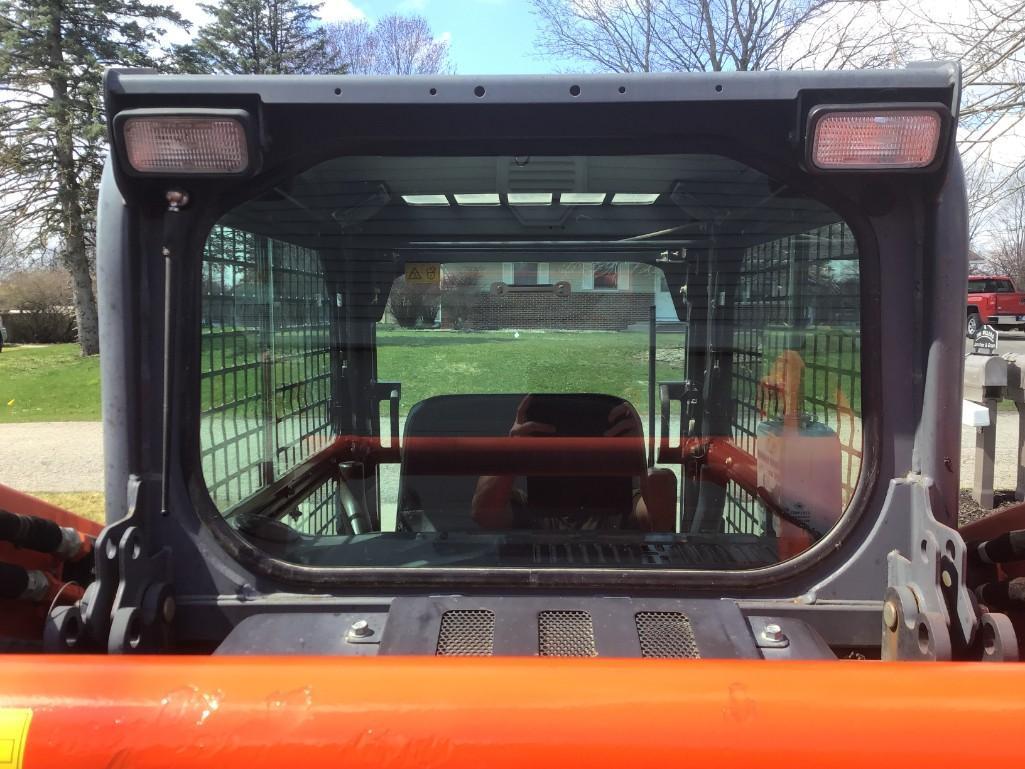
[487,37]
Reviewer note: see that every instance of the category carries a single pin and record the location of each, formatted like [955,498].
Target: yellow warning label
[13,733]
[423,272]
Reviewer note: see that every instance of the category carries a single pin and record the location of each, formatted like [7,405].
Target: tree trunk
[76,261]
[69,193]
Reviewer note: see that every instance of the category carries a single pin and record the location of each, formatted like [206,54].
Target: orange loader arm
[223,712]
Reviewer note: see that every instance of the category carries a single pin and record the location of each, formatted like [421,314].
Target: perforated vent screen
[565,634]
[666,634]
[467,633]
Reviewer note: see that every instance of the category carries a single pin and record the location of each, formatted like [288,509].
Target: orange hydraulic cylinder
[314,712]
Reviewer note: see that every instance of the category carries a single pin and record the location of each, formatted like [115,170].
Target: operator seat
[432,499]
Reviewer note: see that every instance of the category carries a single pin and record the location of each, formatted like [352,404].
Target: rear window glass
[990,286]
[640,362]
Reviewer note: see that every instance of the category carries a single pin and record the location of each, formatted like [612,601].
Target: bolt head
[360,628]
[890,615]
[946,579]
[168,609]
[178,198]
[773,632]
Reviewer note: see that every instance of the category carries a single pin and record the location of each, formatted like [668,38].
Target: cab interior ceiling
[355,204]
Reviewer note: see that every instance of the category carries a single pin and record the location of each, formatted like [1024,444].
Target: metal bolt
[176,199]
[168,609]
[360,629]
[773,632]
[946,579]
[890,615]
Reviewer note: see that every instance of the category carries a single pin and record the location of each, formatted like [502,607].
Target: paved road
[52,456]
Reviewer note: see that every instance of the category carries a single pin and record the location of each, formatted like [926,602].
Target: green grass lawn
[54,383]
[88,504]
[51,383]
[435,363]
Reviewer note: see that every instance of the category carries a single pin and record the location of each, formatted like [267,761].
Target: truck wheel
[973,325]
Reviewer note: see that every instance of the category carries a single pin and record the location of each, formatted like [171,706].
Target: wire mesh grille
[565,634]
[265,374]
[466,633]
[798,293]
[666,634]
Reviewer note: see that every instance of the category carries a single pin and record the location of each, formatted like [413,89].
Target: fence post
[1015,393]
[985,382]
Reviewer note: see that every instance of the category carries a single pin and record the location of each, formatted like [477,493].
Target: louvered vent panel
[543,175]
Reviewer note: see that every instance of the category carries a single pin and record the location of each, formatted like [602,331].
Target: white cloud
[341,10]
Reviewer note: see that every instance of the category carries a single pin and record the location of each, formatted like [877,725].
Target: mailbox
[985,376]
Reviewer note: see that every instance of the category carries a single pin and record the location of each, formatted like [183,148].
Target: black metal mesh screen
[265,376]
[565,634]
[466,633]
[666,634]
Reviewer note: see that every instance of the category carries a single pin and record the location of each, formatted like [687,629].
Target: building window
[606,276]
[525,273]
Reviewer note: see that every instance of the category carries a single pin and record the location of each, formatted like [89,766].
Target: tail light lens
[874,139]
[186,145]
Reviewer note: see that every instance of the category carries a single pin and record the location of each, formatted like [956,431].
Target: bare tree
[986,36]
[1008,253]
[673,35]
[395,45]
[9,253]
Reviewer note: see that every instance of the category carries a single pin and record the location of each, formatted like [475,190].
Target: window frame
[868,249]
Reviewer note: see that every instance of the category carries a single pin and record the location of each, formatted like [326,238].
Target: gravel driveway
[52,456]
[68,456]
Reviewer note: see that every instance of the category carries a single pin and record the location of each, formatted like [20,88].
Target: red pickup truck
[992,299]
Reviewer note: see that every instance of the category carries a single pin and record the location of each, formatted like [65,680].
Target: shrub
[413,304]
[460,296]
[39,306]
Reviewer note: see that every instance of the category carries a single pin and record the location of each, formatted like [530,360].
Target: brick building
[606,296]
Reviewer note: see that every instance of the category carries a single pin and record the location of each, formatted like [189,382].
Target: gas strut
[171,250]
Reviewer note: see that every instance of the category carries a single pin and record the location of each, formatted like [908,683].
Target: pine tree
[52,137]
[260,37]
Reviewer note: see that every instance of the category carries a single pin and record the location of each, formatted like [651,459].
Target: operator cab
[589,367]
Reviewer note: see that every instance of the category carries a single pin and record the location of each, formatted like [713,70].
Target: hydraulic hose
[43,536]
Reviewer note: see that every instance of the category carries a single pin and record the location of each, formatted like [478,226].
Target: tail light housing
[876,137]
[186,142]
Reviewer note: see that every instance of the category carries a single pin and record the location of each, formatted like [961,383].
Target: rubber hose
[30,532]
[13,580]
[1005,548]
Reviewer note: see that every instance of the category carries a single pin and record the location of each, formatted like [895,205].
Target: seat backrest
[430,500]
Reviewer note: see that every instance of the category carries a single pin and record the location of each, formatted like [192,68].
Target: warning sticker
[424,273]
[13,732]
